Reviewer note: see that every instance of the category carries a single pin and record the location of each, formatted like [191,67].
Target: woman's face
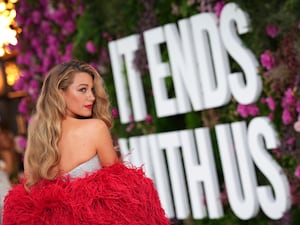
[79,96]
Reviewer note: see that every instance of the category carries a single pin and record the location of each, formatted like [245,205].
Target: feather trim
[115,195]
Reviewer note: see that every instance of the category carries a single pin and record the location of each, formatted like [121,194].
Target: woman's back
[76,144]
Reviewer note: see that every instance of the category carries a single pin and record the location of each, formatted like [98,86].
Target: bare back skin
[81,140]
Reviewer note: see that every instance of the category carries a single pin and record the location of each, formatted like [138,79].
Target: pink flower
[218,8]
[242,110]
[35,42]
[52,40]
[90,47]
[247,110]
[33,89]
[271,103]
[115,113]
[291,141]
[253,110]
[271,116]
[69,27]
[68,53]
[22,107]
[286,117]
[45,26]
[26,74]
[297,126]
[20,83]
[289,98]
[267,60]
[36,16]
[80,10]
[47,62]
[272,30]
[297,172]
[58,16]
[25,59]
[148,119]
[130,127]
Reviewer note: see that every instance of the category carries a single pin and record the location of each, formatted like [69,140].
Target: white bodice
[84,168]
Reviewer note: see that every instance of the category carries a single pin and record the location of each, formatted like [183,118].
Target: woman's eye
[82,89]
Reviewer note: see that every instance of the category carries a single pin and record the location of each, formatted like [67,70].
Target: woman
[72,173]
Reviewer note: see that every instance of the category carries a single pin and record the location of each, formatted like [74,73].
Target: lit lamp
[8,27]
[9,74]
[2,81]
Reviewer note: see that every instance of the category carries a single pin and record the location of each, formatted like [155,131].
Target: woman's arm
[103,143]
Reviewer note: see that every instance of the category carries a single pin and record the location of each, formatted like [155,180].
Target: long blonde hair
[42,156]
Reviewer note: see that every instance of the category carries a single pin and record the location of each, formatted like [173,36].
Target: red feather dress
[115,195]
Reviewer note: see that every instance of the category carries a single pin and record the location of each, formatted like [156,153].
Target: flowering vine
[45,40]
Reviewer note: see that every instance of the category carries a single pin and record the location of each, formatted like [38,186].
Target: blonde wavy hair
[42,156]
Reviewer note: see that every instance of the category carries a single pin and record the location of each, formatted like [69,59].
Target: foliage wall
[56,31]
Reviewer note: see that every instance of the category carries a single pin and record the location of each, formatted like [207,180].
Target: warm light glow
[12,73]
[7,26]
[2,83]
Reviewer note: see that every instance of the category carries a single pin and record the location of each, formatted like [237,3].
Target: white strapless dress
[85,168]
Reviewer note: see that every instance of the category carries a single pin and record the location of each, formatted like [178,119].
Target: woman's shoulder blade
[95,124]
[92,127]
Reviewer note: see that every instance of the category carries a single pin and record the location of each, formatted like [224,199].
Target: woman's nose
[91,95]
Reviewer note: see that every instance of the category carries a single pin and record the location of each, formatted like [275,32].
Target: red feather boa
[116,195]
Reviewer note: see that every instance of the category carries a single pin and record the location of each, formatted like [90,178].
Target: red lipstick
[88,106]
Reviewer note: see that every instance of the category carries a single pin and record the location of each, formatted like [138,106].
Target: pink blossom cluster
[115,113]
[272,30]
[47,29]
[288,104]
[247,110]
[271,103]
[91,47]
[267,60]
[218,8]
[285,96]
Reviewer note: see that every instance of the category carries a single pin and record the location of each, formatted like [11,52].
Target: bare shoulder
[93,129]
[95,125]
[100,135]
